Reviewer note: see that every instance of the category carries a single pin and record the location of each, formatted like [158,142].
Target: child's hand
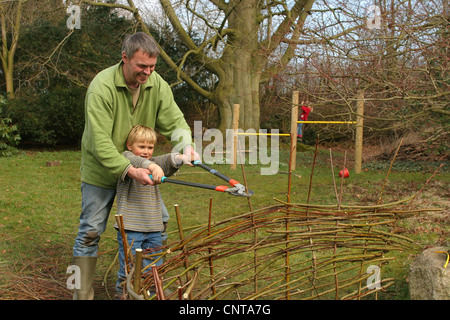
[156,172]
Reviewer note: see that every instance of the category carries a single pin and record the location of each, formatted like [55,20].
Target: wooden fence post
[359,130]
[294,119]
[235,130]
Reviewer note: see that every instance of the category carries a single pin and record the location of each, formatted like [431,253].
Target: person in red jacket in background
[303,117]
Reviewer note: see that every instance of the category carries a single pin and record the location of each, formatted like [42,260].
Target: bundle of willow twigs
[328,250]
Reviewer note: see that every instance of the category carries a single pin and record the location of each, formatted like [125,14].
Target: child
[303,117]
[140,205]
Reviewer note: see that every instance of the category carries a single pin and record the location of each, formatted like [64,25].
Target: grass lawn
[40,206]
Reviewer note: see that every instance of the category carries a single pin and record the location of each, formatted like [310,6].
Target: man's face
[138,68]
[142,149]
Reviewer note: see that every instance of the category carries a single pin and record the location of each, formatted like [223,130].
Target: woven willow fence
[285,251]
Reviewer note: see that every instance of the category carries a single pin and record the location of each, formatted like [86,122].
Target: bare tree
[13,14]
[401,65]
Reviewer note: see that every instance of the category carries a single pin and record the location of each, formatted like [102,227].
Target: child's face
[142,149]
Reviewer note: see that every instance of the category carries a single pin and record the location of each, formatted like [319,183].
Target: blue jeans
[299,129]
[96,205]
[137,240]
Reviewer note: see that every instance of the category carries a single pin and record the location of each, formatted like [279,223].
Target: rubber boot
[87,271]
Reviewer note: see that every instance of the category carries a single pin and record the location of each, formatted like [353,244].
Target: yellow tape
[262,134]
[448,257]
[303,121]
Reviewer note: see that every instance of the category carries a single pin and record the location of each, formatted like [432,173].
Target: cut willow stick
[158,284]
[210,250]
[180,231]
[255,230]
[138,274]
[336,277]
[342,182]
[332,175]
[288,269]
[119,221]
[188,292]
[313,253]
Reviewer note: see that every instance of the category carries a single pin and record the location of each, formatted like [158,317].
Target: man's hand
[141,175]
[183,158]
[189,153]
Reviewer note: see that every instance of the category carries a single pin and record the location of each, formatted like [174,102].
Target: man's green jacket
[109,117]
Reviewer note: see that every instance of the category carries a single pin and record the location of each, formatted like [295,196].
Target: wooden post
[137,268]
[235,129]
[294,119]
[359,131]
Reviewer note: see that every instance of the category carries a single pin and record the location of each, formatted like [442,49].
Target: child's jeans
[299,129]
[137,240]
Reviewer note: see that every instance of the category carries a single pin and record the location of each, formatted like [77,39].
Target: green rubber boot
[87,271]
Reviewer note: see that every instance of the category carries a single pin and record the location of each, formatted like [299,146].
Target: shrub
[9,136]
[50,118]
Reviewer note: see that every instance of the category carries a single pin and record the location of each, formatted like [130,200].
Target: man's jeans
[96,205]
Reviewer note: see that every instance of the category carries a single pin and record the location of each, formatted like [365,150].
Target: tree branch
[167,7]
[132,9]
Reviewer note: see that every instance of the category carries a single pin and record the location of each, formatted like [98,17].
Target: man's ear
[124,57]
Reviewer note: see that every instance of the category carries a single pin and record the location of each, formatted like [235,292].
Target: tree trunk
[241,72]
[10,22]
[241,86]
[9,79]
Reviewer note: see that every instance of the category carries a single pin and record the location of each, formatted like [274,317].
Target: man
[118,98]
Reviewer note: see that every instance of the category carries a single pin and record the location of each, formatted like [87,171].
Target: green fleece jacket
[109,117]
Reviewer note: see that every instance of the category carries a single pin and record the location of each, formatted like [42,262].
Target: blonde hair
[141,134]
